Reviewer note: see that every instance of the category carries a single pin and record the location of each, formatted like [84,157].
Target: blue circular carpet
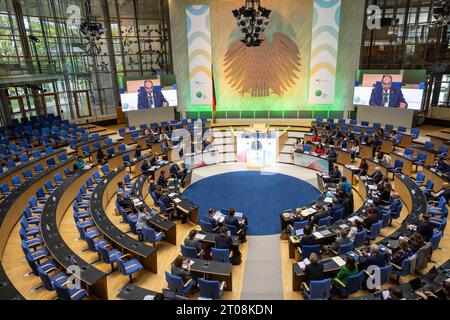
[260,197]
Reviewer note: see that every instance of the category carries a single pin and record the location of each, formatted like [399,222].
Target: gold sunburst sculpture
[264,70]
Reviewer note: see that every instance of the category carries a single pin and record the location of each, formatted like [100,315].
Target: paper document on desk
[149,297]
[339,261]
[372,187]
[189,262]
[353,218]
[238,214]
[308,212]
[299,232]
[200,236]
[173,194]
[328,200]
[318,235]
[176,200]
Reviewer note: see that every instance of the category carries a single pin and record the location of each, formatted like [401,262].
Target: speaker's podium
[255,159]
[257,146]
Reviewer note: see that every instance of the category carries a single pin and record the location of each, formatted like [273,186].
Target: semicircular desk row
[410,194]
[10,216]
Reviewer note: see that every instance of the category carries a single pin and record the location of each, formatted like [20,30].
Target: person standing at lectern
[256,145]
[387,95]
[148,98]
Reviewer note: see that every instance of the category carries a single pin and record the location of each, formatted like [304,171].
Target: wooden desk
[365,151]
[102,195]
[387,146]
[431,154]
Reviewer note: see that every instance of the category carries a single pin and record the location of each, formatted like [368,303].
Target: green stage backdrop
[288,42]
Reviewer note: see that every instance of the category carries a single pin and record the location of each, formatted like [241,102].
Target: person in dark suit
[376,258]
[388,96]
[223,240]
[444,192]
[308,238]
[370,219]
[148,98]
[256,145]
[192,242]
[162,181]
[320,214]
[145,168]
[314,270]
[425,227]
[377,176]
[233,221]
[138,152]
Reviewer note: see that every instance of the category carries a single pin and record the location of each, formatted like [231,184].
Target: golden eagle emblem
[263,70]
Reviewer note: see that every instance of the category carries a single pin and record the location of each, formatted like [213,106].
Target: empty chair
[398,166]
[27,174]
[84,194]
[122,147]
[96,176]
[23,158]
[38,168]
[317,290]
[338,215]
[122,132]
[404,269]
[324,222]
[352,285]
[5,190]
[63,292]
[48,150]
[67,172]
[376,125]
[435,240]
[210,289]
[34,205]
[95,242]
[50,281]
[16,182]
[90,184]
[150,235]
[365,123]
[360,238]
[105,169]
[81,203]
[409,152]
[49,186]
[443,150]
[429,145]
[221,255]
[58,179]
[177,285]
[388,127]
[10,164]
[128,265]
[110,151]
[127,181]
[440,209]
[415,133]
[374,231]
[62,157]
[189,252]
[51,162]
[344,248]
[420,177]
[207,226]
[36,154]
[401,129]
[108,254]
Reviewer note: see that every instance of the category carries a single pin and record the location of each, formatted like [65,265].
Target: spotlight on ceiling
[252,20]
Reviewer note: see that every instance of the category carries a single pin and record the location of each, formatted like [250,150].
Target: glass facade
[47,66]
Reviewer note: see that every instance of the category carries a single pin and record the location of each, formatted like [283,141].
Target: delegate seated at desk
[179,269]
[162,181]
[385,95]
[377,176]
[79,163]
[148,98]
[375,258]
[223,240]
[192,242]
[314,270]
[423,226]
[233,221]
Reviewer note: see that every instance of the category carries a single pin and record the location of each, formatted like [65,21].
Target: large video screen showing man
[149,98]
[147,94]
[387,95]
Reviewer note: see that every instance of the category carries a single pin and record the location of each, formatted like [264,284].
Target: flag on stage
[214,106]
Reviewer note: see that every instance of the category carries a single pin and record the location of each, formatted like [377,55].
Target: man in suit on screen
[148,98]
[387,96]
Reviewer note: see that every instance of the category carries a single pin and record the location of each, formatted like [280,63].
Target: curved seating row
[9,216]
